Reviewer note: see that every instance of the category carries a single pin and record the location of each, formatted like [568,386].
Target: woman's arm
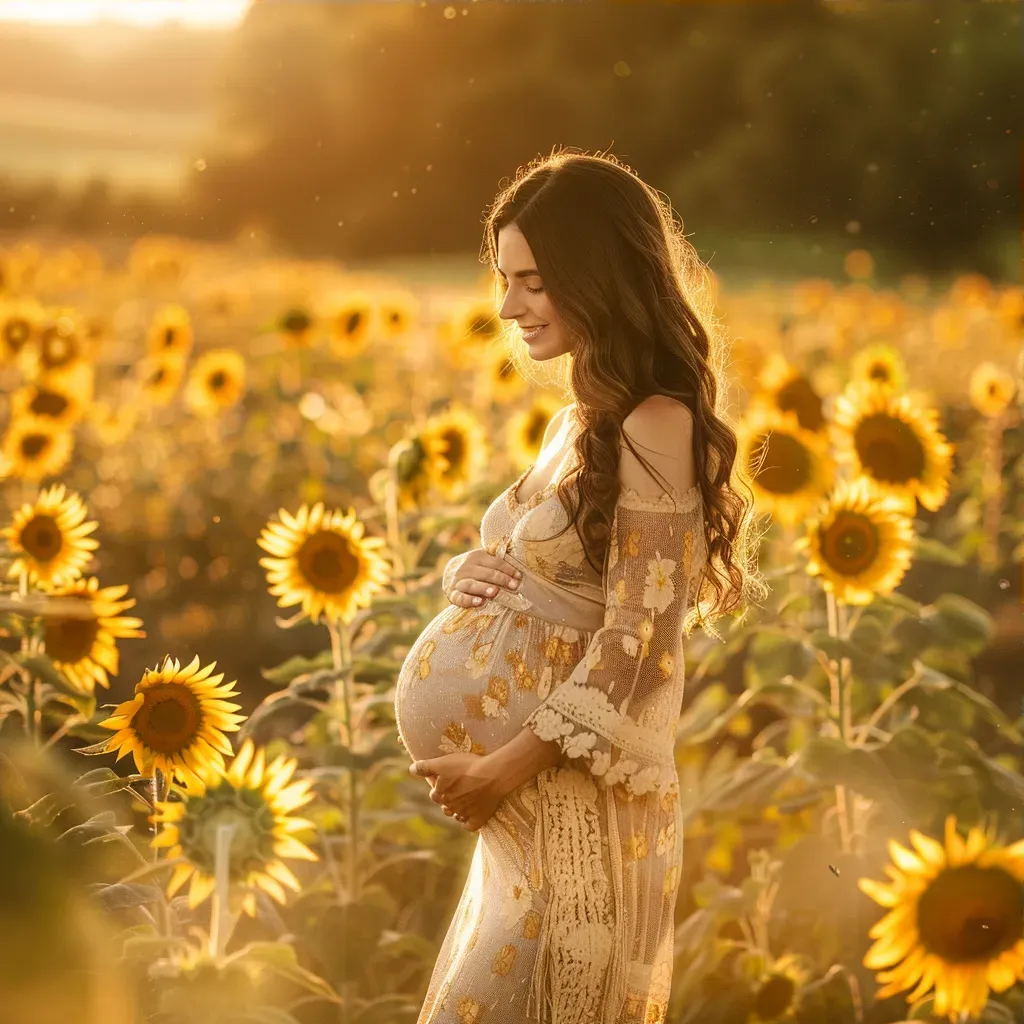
[523,757]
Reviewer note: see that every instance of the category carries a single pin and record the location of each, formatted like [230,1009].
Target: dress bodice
[558,581]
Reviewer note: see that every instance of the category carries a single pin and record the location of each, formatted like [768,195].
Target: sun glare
[143,13]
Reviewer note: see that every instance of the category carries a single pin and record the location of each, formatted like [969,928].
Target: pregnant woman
[541,703]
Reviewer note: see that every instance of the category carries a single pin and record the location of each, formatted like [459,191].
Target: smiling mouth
[530,333]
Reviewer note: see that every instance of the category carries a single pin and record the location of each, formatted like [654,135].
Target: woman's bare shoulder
[660,419]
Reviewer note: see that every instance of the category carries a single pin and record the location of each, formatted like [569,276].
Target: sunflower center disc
[798,396]
[970,913]
[850,544]
[326,562]
[48,403]
[169,719]
[889,449]
[70,640]
[33,445]
[42,538]
[786,466]
[774,997]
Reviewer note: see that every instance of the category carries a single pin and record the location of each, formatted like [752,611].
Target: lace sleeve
[618,709]
[448,576]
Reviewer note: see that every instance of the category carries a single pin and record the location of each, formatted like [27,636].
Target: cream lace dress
[567,912]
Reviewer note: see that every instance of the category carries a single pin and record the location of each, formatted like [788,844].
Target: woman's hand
[467,785]
[479,576]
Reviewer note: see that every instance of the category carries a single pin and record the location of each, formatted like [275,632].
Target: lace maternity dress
[567,912]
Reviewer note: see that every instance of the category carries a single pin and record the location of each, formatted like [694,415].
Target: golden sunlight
[143,13]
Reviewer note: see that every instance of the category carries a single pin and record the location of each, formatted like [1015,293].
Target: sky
[214,14]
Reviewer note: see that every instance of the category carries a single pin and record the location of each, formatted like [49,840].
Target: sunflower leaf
[45,810]
[280,959]
[283,674]
[927,549]
[42,669]
[121,895]
[95,748]
[956,618]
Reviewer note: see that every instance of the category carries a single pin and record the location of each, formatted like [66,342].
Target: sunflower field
[231,483]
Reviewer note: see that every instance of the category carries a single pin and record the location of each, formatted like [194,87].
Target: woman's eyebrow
[532,272]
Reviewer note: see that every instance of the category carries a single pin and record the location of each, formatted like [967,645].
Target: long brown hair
[638,302]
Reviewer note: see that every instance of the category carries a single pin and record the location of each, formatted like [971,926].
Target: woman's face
[526,300]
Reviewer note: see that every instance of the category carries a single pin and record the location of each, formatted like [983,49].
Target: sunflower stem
[31,725]
[219,910]
[160,784]
[394,536]
[839,714]
[341,656]
[992,489]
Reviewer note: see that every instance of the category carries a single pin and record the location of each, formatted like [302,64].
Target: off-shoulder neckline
[681,501]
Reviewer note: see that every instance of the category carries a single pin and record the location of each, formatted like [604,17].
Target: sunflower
[176,721]
[778,990]
[256,799]
[112,425]
[860,543]
[790,468]
[465,451]
[785,388]
[504,383]
[159,379]
[50,538]
[20,320]
[170,332]
[350,323]
[467,329]
[297,326]
[82,646]
[216,383]
[33,448]
[397,312]
[525,430]
[882,365]
[896,442]
[62,344]
[48,401]
[955,920]
[418,461]
[991,389]
[321,559]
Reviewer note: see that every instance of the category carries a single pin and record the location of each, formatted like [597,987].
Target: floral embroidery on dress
[456,740]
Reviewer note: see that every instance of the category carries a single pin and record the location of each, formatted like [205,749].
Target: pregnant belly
[464,684]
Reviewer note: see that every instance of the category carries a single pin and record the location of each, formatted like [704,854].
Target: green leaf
[121,896]
[706,707]
[955,618]
[283,674]
[383,1010]
[832,763]
[97,748]
[865,664]
[931,680]
[751,784]
[900,602]
[150,947]
[42,669]
[774,653]
[103,781]
[280,959]
[927,549]
[397,944]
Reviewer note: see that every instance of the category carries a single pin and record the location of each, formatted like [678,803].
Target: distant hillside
[114,101]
